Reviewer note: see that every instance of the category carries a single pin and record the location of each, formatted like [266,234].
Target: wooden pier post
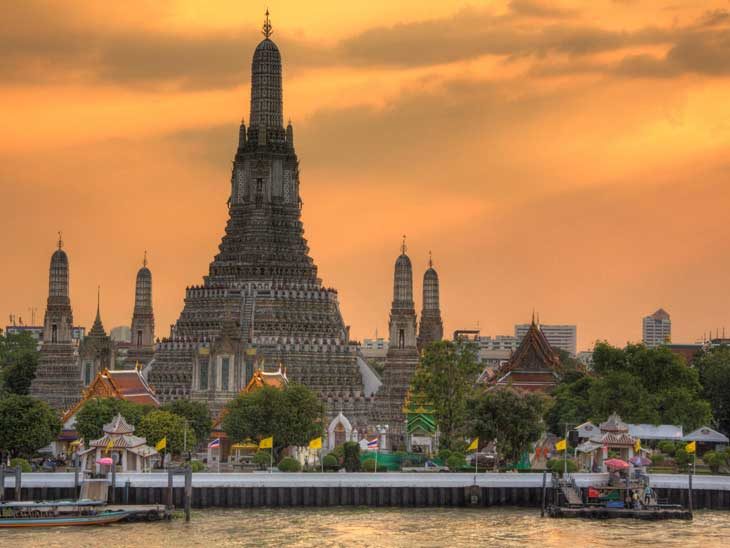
[188,491]
[76,482]
[113,493]
[690,491]
[18,481]
[169,488]
[127,485]
[544,493]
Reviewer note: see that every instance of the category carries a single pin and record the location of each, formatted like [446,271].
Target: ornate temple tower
[262,303]
[142,347]
[431,328]
[95,351]
[57,380]
[402,357]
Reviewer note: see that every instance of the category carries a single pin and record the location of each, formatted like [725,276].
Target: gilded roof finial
[267,31]
[403,246]
[98,299]
[533,316]
[144,261]
[430,259]
[60,240]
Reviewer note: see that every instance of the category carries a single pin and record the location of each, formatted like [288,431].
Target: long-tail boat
[58,513]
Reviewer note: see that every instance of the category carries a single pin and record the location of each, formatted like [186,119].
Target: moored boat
[57,513]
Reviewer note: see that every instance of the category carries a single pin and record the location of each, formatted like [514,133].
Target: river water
[412,528]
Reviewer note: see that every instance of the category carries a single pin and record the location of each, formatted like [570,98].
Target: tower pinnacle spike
[430,259]
[144,261]
[60,240]
[267,30]
[403,247]
[98,299]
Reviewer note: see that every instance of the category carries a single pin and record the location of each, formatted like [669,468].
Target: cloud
[536,8]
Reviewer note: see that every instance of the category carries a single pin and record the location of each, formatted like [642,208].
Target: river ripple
[427,527]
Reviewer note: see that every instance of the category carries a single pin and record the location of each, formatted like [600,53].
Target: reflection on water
[383,527]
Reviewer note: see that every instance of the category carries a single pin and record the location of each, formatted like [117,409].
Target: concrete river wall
[358,489]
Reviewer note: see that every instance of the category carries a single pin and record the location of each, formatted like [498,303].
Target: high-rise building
[656,329]
[559,336]
[262,304]
[431,328]
[58,377]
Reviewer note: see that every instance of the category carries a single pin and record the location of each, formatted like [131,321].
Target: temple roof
[118,425]
[613,424]
[533,366]
[127,385]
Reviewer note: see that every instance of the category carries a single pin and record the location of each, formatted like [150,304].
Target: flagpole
[321,460]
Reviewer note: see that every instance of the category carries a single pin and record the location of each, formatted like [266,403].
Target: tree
[619,391]
[351,460]
[26,425]
[160,424]
[292,415]
[196,413]
[97,412]
[18,360]
[446,376]
[714,370]
[512,418]
[570,403]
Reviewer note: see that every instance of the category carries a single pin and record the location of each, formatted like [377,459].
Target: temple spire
[403,247]
[60,240]
[430,259]
[267,31]
[144,261]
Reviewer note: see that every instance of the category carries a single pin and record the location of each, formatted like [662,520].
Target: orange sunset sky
[571,157]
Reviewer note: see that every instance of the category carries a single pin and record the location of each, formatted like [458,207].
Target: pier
[247,490]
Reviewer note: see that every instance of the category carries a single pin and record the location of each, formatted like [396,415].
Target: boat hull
[104,518]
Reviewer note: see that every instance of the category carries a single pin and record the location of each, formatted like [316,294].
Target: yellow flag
[109,446]
[561,446]
[162,444]
[474,445]
[316,443]
[267,443]
[691,447]
[637,445]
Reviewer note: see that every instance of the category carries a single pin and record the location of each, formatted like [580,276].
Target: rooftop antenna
[267,31]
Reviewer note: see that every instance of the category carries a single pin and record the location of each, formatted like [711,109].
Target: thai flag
[373,444]
[215,444]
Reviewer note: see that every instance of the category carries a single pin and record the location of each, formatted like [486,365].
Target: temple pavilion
[421,427]
[119,443]
[535,365]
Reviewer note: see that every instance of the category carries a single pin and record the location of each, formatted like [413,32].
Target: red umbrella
[617,464]
[105,460]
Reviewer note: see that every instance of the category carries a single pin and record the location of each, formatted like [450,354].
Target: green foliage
[18,362]
[643,385]
[714,371]
[715,460]
[444,454]
[446,376]
[196,413]
[292,415]
[667,447]
[511,417]
[26,425]
[557,466]
[351,459]
[331,462]
[681,457]
[24,464]
[197,466]
[262,459]
[657,459]
[162,424]
[288,464]
[97,412]
[368,465]
[456,462]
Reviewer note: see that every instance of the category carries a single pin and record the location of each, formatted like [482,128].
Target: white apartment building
[656,329]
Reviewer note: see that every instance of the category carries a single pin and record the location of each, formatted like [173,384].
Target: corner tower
[402,357]
[142,345]
[57,380]
[431,328]
[262,303]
